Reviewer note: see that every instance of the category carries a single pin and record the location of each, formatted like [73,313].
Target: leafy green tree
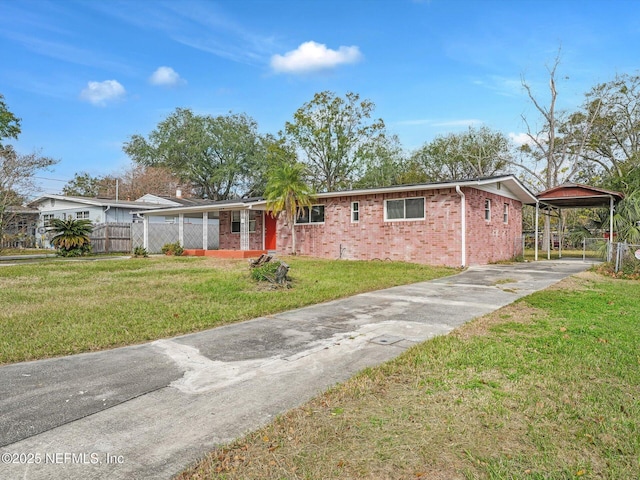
[71,236]
[336,136]
[216,155]
[84,185]
[476,153]
[9,123]
[288,192]
[613,143]
[388,166]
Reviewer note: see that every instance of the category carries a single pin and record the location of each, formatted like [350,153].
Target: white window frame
[505,214]
[46,219]
[355,212]
[405,219]
[310,222]
[84,215]
[487,209]
[252,222]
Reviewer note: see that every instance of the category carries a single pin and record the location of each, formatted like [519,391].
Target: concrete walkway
[148,411]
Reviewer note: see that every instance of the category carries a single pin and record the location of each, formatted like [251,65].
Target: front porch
[223,229]
[198,252]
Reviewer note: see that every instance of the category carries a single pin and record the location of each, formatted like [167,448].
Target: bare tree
[17,174]
[555,153]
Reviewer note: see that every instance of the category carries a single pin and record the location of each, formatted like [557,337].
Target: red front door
[269,232]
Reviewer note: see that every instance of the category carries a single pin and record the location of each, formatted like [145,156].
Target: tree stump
[281,273]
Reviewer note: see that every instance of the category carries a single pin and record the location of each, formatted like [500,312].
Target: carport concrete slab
[148,411]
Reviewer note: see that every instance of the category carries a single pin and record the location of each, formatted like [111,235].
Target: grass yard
[546,388]
[58,307]
[6,252]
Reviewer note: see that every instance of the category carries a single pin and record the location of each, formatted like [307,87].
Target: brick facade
[231,241]
[493,240]
[434,240]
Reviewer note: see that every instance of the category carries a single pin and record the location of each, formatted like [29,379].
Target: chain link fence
[626,257]
[162,233]
[589,249]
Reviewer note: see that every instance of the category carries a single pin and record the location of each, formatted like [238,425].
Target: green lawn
[58,307]
[6,252]
[546,388]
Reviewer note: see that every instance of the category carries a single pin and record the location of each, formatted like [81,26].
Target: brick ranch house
[457,223]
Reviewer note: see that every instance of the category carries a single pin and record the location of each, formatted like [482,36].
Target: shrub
[71,237]
[140,252]
[74,252]
[173,249]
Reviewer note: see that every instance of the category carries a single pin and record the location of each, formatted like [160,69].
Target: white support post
[181,229]
[536,230]
[205,230]
[145,232]
[560,232]
[244,230]
[611,212]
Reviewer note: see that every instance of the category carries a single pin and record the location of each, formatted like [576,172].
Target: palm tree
[71,236]
[287,192]
[627,218]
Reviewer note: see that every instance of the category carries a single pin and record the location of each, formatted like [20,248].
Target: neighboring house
[19,227]
[99,210]
[455,223]
[102,210]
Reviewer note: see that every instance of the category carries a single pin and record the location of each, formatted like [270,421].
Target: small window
[82,215]
[235,221]
[46,219]
[487,210]
[505,213]
[355,212]
[315,214]
[405,209]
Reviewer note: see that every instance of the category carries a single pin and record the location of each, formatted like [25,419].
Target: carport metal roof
[576,195]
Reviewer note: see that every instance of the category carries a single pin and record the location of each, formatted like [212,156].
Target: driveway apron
[148,411]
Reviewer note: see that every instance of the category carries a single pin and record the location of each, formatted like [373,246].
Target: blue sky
[85,75]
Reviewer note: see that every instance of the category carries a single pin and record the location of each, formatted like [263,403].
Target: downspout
[463,225]
[105,213]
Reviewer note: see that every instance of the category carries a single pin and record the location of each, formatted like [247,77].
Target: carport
[575,195]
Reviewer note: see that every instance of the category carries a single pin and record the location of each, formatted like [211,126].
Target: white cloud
[520,138]
[99,93]
[312,56]
[166,77]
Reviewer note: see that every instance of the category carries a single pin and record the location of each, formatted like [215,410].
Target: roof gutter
[463,226]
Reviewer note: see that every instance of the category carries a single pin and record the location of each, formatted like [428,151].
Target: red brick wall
[494,240]
[231,241]
[434,241]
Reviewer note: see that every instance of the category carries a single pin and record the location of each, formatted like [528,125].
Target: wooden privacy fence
[111,237]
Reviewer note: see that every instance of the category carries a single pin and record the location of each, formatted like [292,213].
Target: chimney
[178,193]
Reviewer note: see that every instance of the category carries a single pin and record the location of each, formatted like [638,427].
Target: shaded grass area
[57,307]
[546,388]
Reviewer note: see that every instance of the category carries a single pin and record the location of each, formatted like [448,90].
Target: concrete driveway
[148,411]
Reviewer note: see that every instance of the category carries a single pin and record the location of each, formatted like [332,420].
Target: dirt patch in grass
[518,312]
[580,281]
